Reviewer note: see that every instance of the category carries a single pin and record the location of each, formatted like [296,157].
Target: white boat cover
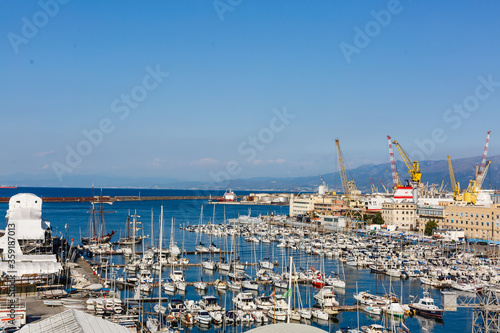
[73,321]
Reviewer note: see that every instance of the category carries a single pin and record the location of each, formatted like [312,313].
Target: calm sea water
[71,220]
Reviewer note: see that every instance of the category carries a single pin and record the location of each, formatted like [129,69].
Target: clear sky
[179,89]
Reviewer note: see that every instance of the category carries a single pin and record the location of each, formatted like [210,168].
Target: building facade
[425,214]
[478,222]
[301,205]
[402,215]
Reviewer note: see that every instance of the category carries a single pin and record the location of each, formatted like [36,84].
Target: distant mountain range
[433,172]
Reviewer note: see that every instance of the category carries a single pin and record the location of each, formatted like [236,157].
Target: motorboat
[326,297]
[244,301]
[277,313]
[203,317]
[426,307]
[209,303]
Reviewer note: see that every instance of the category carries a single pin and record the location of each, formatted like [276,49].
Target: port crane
[383,186]
[476,185]
[373,187]
[395,176]
[324,183]
[442,187]
[413,166]
[455,186]
[349,186]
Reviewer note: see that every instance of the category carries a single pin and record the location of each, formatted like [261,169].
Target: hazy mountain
[433,172]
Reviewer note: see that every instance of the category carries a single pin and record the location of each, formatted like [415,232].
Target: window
[466,214]
[461,214]
[487,224]
[482,223]
[488,216]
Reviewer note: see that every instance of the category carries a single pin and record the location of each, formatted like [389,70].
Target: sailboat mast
[289,292]
[92,232]
[152,228]
[102,215]
[128,225]
[160,245]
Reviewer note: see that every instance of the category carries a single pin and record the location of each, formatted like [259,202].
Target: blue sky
[232,66]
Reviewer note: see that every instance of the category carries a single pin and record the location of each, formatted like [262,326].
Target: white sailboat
[158,308]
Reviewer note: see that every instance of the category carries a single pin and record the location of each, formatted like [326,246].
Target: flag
[272,294]
[287,293]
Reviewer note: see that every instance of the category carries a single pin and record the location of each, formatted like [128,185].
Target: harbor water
[70,220]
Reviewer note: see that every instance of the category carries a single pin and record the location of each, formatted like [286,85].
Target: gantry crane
[413,166]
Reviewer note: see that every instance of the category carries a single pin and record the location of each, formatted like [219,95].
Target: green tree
[377,218]
[429,227]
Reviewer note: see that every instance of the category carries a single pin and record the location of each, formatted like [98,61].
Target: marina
[259,250]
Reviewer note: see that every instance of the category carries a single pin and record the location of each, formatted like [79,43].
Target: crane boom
[385,188]
[413,167]
[395,179]
[454,185]
[373,187]
[343,174]
[482,176]
[482,166]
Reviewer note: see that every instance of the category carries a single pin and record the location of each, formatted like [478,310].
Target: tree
[429,227]
[377,218]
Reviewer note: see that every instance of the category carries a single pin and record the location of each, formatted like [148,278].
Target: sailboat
[132,239]
[158,307]
[96,229]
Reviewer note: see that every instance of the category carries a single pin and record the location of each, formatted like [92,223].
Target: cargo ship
[229,196]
